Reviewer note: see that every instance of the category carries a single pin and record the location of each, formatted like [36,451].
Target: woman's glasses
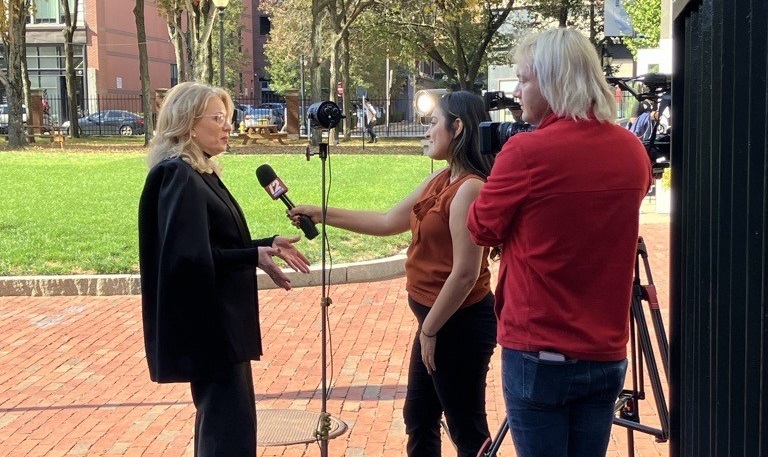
[220,118]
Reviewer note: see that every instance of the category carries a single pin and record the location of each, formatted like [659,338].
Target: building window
[50,12]
[46,12]
[264,25]
[51,57]
[174,74]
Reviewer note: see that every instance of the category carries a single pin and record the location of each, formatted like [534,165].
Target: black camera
[324,115]
[658,90]
[493,135]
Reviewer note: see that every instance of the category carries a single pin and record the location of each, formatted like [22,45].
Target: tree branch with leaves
[456,34]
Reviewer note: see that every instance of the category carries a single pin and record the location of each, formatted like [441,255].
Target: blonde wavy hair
[182,106]
[567,68]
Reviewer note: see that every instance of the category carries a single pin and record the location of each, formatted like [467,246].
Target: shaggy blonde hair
[182,106]
[567,68]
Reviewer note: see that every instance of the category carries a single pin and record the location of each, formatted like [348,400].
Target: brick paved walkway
[73,379]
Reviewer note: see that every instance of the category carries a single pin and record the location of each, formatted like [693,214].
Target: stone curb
[129,284]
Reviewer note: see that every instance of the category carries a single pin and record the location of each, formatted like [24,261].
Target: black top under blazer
[198,275]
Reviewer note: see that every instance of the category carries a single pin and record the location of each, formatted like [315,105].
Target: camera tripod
[627,405]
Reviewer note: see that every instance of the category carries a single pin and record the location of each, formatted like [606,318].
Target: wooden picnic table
[262,132]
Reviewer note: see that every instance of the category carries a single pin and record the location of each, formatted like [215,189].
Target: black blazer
[198,275]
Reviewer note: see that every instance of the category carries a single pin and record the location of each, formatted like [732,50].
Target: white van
[4,116]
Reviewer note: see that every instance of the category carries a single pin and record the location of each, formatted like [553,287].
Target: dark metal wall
[719,315]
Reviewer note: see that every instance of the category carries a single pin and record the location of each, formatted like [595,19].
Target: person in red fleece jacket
[563,203]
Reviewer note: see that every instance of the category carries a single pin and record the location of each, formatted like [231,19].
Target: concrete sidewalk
[73,378]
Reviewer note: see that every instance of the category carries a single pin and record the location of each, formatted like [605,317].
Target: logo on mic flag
[276,188]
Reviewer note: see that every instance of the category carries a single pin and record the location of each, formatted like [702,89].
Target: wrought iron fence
[111,114]
[393,120]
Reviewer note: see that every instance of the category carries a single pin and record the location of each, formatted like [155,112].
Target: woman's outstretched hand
[283,248]
[269,266]
[290,255]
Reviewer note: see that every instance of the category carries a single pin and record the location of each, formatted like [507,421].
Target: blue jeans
[560,408]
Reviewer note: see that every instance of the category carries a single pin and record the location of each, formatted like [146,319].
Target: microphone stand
[324,423]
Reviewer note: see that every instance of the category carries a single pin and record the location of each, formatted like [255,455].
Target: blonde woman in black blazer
[198,271]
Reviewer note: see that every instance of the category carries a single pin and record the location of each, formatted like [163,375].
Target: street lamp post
[221,5]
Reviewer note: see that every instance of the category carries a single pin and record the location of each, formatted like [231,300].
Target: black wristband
[427,334]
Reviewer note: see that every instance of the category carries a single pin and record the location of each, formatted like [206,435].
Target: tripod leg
[649,293]
[628,402]
[653,370]
[491,446]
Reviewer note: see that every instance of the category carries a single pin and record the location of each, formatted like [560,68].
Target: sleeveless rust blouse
[430,254]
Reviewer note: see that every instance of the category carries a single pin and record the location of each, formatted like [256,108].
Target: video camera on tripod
[493,135]
[658,88]
[657,92]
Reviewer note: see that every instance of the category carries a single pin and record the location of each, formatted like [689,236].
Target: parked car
[4,117]
[109,122]
[258,116]
[273,105]
[239,115]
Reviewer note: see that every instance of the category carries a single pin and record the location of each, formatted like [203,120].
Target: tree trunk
[315,67]
[25,74]
[176,34]
[17,18]
[193,42]
[201,27]
[562,13]
[70,20]
[332,80]
[189,49]
[146,98]
[209,63]
[345,79]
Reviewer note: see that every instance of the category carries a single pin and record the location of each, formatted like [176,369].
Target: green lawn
[75,212]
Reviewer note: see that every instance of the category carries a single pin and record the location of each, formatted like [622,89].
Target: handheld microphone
[277,189]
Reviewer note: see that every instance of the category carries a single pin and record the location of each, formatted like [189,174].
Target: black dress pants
[456,388]
[225,422]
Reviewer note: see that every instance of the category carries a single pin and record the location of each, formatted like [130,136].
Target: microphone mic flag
[277,189]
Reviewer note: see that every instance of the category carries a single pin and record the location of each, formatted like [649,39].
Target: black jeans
[225,421]
[457,387]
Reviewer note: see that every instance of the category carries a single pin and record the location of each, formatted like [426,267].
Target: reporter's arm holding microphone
[376,223]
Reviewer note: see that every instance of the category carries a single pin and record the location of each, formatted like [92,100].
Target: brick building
[106,53]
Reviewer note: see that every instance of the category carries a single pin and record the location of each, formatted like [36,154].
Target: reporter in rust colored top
[198,271]
[448,283]
[564,203]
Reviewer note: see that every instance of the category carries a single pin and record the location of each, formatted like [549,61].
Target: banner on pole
[617,22]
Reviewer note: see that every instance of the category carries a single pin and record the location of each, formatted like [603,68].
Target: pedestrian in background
[369,113]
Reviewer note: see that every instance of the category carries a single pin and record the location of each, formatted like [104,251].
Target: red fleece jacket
[564,201]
